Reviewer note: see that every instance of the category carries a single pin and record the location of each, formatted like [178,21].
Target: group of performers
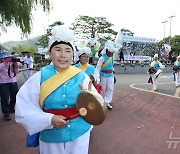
[155,71]
[46,107]
[103,72]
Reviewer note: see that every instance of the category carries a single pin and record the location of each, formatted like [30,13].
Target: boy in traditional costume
[104,72]
[176,70]
[84,55]
[52,99]
[157,65]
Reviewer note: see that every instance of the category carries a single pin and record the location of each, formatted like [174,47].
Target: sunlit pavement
[141,121]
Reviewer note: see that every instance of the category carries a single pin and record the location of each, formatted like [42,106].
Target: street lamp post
[170,27]
[164,26]
[170,24]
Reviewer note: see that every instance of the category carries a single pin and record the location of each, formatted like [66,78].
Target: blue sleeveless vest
[63,97]
[176,63]
[108,67]
[156,64]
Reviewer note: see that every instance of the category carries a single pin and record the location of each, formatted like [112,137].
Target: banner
[138,58]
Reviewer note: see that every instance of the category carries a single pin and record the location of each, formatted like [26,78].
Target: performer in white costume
[156,64]
[28,66]
[104,72]
[177,71]
[52,98]
[84,55]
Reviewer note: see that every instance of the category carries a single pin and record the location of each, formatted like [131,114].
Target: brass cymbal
[91,107]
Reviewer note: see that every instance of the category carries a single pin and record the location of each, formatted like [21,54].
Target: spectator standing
[76,55]
[121,55]
[8,84]
[28,66]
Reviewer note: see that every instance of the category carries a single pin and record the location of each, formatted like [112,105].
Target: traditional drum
[176,69]
[152,70]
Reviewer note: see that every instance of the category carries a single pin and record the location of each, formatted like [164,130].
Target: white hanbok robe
[29,114]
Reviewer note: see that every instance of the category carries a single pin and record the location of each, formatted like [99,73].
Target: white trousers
[107,86]
[177,75]
[27,74]
[155,81]
[78,146]
[155,78]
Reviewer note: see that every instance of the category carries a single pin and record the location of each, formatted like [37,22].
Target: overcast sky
[143,17]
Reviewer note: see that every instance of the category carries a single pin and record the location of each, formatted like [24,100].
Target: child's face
[61,55]
[155,59]
[109,54]
[84,58]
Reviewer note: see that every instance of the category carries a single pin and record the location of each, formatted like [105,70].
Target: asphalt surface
[141,121]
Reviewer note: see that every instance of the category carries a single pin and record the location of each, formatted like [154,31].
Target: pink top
[4,77]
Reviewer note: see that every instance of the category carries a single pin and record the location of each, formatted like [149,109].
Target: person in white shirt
[76,55]
[28,66]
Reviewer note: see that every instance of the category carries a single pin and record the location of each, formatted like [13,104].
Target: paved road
[141,121]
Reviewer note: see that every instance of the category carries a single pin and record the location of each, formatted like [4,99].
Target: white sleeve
[31,62]
[152,64]
[98,68]
[161,65]
[28,111]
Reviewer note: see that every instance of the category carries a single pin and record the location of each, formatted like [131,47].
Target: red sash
[70,113]
[107,71]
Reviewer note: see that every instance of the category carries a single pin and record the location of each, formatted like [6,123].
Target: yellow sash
[106,63]
[83,67]
[55,81]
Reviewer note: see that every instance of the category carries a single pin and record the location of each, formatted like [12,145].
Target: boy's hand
[58,121]
[89,86]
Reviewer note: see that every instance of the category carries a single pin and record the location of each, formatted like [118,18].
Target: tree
[86,27]
[20,47]
[176,44]
[3,48]
[18,12]
[43,40]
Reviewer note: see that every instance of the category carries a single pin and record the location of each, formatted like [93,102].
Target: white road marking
[177,92]
[152,90]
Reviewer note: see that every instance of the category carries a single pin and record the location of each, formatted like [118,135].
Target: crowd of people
[55,88]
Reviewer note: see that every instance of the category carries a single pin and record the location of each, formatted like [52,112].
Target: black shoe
[109,107]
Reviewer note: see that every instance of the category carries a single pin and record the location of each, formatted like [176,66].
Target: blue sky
[143,17]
